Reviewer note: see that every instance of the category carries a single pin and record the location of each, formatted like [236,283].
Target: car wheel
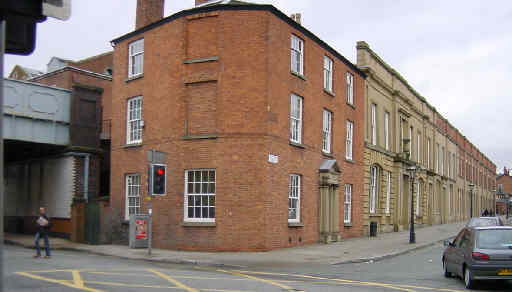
[470,283]
[445,267]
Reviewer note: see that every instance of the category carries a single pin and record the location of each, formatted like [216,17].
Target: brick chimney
[148,11]
[199,2]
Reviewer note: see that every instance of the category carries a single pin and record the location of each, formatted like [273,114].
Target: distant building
[23,73]
[503,192]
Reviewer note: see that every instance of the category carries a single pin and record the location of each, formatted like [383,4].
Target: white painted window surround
[136,58]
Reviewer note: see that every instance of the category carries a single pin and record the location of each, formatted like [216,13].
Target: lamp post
[471,186]
[412,235]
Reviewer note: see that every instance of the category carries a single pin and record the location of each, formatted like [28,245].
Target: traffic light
[158,179]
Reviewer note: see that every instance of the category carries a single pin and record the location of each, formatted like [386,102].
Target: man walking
[43,226]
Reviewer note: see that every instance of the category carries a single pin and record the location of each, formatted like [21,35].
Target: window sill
[198,224]
[350,161]
[299,145]
[200,137]
[129,79]
[295,224]
[351,105]
[201,60]
[299,75]
[329,92]
[347,224]
[134,145]
[328,155]
[375,215]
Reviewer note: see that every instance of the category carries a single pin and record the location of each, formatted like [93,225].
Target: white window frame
[388,192]
[373,125]
[349,141]
[448,163]
[438,157]
[350,88]
[347,210]
[418,197]
[411,142]
[374,186]
[428,153]
[328,73]
[296,118]
[386,130]
[327,131]
[443,157]
[204,191]
[133,185]
[418,154]
[136,58]
[134,120]
[294,189]
[297,55]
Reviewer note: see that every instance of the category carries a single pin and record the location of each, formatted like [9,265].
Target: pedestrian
[486,213]
[43,226]
[491,213]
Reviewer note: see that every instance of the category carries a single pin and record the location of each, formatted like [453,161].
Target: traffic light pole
[150,221]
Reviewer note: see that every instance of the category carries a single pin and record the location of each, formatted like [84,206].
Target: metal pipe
[2,50]
[86,177]
[412,235]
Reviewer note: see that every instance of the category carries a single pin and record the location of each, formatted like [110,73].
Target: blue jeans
[46,243]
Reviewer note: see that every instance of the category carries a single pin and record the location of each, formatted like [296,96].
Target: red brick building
[503,192]
[260,121]
[86,157]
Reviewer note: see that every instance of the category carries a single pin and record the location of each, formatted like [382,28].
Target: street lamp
[471,186]
[412,235]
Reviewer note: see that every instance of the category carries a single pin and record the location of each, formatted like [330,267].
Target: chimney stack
[148,11]
[199,2]
[297,17]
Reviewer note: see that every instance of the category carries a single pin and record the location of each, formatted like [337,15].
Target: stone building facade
[262,132]
[403,130]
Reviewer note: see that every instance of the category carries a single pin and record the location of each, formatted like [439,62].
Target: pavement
[353,250]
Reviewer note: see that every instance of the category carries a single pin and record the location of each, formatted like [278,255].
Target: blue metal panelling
[36,113]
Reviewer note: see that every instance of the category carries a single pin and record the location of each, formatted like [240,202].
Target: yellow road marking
[175,282]
[62,282]
[131,285]
[390,286]
[224,290]
[77,279]
[274,283]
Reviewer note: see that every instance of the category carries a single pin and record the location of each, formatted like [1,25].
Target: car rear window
[494,239]
[482,222]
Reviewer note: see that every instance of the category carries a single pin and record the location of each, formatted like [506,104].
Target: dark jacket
[43,229]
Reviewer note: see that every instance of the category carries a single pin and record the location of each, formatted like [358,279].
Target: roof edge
[254,7]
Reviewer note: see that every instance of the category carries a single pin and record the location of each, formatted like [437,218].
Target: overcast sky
[457,54]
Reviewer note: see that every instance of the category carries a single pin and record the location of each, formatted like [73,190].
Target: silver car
[479,253]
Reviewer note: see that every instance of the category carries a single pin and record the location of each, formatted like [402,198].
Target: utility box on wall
[139,235]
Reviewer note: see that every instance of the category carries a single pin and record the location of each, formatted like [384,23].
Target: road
[76,271]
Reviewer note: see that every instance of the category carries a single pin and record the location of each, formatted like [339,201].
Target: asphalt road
[75,271]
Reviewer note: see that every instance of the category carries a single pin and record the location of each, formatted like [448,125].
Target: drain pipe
[86,177]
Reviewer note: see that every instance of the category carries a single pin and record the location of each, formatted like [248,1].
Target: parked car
[479,253]
[485,221]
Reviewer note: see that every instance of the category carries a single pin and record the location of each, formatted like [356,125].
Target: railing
[106,128]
